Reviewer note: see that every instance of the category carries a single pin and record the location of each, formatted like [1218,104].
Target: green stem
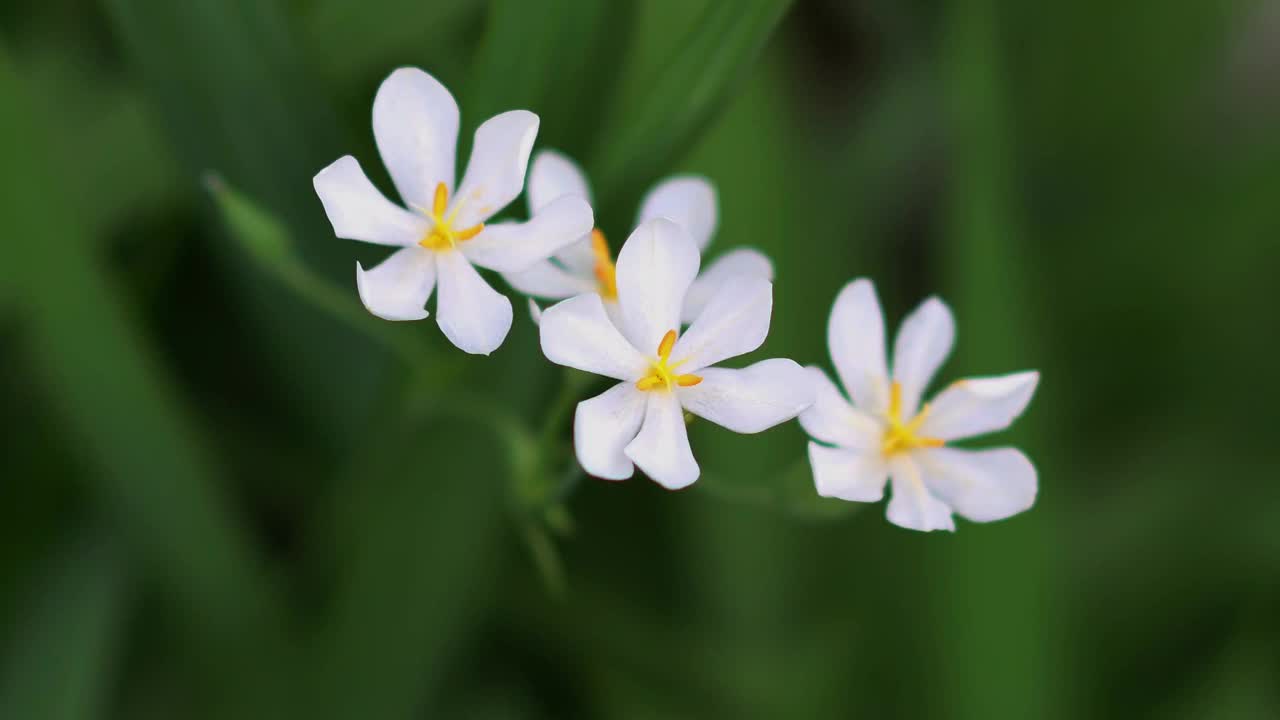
[563,406]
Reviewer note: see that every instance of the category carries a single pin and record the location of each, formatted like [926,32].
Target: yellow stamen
[648,383]
[441,200]
[606,273]
[668,342]
[900,436]
[468,233]
[662,372]
[442,236]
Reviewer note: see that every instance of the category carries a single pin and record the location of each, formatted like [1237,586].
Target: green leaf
[414,532]
[146,463]
[60,663]
[264,237]
[788,491]
[546,558]
[350,40]
[268,243]
[1009,634]
[98,119]
[654,126]
[516,50]
[230,90]
[557,58]
[232,93]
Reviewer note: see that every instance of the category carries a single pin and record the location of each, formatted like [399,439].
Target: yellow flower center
[442,236]
[900,436]
[662,372]
[606,273]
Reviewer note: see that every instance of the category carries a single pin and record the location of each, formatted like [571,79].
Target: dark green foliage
[228,491]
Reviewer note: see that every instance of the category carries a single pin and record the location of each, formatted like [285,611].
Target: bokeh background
[228,492]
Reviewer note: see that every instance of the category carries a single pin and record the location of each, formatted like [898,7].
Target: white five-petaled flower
[587,266]
[640,421]
[882,435]
[415,124]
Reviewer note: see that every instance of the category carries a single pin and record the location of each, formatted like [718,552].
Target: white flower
[587,266]
[640,421]
[881,435]
[415,124]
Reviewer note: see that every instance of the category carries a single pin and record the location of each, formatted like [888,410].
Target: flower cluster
[658,323]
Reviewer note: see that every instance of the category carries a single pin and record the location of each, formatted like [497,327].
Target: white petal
[913,506]
[535,312]
[415,123]
[398,287]
[688,201]
[661,449]
[577,333]
[579,258]
[848,474]
[855,336]
[977,406]
[474,316]
[495,173]
[551,176]
[614,311]
[742,262]
[752,399]
[548,279]
[833,420]
[516,246]
[602,428]
[923,343]
[982,485]
[735,322]
[358,211]
[655,267]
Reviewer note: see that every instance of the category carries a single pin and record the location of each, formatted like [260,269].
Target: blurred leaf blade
[1090,185]
[61,665]
[527,54]
[351,39]
[789,492]
[233,94]
[150,468]
[262,235]
[648,132]
[414,531]
[231,91]
[91,114]
[510,69]
[267,241]
[1017,629]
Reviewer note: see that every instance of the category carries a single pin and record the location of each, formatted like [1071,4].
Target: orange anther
[605,272]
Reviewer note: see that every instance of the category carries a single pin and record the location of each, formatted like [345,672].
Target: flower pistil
[442,236]
[662,372]
[900,436]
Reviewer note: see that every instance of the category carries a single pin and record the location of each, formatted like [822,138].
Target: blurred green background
[228,492]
